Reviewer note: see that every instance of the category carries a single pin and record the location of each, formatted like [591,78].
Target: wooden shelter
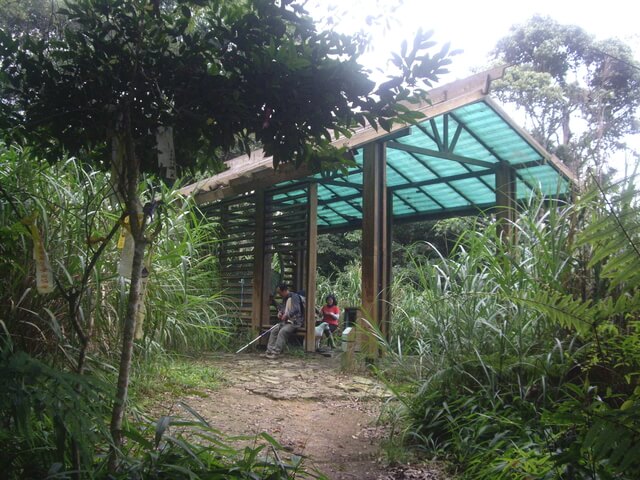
[465,157]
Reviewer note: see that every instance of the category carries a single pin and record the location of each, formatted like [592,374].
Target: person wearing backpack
[291,318]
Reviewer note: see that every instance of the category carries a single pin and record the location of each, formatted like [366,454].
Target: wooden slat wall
[236,252]
[286,234]
[258,224]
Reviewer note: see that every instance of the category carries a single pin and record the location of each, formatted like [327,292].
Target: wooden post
[375,250]
[388,269]
[505,199]
[259,308]
[311,263]
[224,224]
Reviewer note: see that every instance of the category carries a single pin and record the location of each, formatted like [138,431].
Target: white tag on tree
[166,152]
[44,275]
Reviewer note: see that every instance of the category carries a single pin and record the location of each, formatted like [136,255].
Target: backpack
[303,302]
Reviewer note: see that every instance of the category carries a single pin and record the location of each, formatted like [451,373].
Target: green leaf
[627,404]
[271,440]
[136,436]
[161,426]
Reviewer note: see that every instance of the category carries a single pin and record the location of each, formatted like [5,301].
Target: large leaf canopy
[222,74]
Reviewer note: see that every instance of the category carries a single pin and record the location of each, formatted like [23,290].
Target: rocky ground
[311,408]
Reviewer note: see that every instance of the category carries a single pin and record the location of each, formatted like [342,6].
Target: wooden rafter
[434,153]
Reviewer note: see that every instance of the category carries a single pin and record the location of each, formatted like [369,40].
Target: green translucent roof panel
[441,167]
[495,134]
[545,180]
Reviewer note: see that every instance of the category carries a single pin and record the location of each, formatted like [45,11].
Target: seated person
[331,312]
[290,317]
[330,315]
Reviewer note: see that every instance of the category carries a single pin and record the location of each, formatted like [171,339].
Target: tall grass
[510,349]
[56,349]
[184,308]
[78,217]
[73,212]
[346,286]
[522,359]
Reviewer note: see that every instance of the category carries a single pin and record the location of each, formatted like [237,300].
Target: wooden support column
[310,264]
[505,199]
[375,248]
[259,299]
[388,269]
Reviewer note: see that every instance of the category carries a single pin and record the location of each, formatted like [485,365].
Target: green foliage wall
[75,213]
[521,360]
[523,357]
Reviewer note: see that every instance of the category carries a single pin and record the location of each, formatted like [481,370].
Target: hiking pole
[258,337]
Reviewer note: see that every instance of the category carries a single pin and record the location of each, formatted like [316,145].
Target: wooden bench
[299,333]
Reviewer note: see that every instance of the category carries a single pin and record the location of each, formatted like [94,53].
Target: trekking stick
[258,337]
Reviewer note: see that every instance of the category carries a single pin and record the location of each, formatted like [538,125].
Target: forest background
[512,360]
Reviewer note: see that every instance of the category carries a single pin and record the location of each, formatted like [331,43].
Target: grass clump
[58,348]
[174,376]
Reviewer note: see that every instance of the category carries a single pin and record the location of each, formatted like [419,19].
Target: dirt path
[310,408]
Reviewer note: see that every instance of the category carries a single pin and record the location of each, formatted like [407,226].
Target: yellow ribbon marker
[126,245]
[123,233]
[125,265]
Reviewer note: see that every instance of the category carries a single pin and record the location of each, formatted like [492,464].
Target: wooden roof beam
[444,155]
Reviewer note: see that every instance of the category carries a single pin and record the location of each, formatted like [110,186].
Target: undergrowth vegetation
[59,346]
[74,211]
[171,376]
[521,359]
[513,358]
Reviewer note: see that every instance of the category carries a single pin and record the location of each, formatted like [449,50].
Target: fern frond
[563,309]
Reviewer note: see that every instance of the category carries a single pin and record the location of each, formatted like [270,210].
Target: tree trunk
[131,170]
[117,414]
[566,127]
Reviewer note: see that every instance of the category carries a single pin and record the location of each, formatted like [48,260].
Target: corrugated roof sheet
[443,166]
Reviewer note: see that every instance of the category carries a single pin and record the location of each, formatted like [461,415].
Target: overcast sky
[476,26]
